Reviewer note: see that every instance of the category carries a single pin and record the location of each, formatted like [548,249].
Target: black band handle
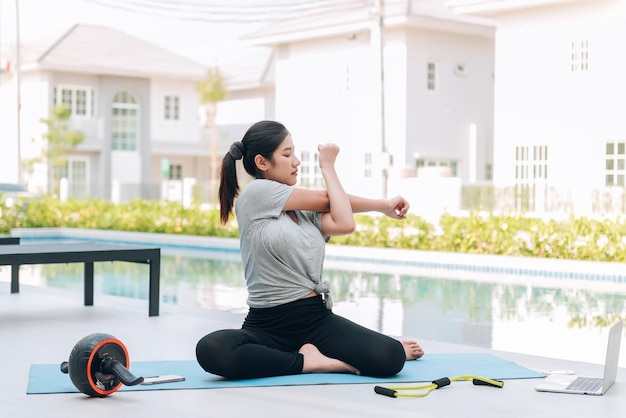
[385,391]
[478,382]
[444,381]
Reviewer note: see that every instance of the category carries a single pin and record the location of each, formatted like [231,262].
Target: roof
[102,50]
[492,7]
[417,13]
[251,69]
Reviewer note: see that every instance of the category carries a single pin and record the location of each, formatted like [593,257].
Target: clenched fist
[328,154]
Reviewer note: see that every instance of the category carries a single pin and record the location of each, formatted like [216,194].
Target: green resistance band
[425,389]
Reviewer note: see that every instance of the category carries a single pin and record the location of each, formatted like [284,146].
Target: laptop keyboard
[585,384]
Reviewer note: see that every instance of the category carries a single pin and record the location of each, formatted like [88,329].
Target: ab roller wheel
[98,365]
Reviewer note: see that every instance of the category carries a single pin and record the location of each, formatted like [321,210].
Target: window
[580,56]
[426,162]
[344,79]
[171,109]
[77,177]
[76,171]
[310,173]
[80,100]
[489,172]
[531,164]
[431,76]
[531,173]
[614,166]
[124,122]
[176,172]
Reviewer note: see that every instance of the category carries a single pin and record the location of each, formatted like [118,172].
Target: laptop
[583,385]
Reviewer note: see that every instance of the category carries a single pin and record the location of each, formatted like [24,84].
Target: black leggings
[268,342]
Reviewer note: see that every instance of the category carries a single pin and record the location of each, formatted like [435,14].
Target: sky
[206,31]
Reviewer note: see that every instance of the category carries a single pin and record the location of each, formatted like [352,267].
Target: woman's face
[284,167]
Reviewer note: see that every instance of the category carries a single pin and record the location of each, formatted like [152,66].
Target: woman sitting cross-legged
[290,327]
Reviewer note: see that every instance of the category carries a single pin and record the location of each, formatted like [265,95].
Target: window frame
[121,119]
[531,164]
[579,56]
[615,163]
[452,164]
[171,111]
[88,102]
[431,76]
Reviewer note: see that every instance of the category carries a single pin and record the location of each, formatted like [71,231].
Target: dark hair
[262,138]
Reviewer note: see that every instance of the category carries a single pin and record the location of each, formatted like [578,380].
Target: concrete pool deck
[41,325]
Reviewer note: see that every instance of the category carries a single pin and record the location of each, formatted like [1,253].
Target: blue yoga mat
[47,378]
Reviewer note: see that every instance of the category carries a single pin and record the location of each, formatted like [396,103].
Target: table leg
[15,278]
[88,283]
[155,274]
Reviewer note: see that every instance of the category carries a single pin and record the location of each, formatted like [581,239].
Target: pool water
[569,322]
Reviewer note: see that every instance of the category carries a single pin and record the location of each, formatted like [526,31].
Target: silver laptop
[590,385]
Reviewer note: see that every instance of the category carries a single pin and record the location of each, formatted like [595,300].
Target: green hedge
[576,238]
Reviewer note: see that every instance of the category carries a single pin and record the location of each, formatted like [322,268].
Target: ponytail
[262,138]
[229,187]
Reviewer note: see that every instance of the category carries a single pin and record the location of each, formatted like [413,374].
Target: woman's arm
[396,207]
[304,199]
[318,201]
[339,220]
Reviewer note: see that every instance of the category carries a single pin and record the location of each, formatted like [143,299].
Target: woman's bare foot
[316,362]
[412,349]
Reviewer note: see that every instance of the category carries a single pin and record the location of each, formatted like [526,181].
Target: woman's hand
[328,155]
[396,207]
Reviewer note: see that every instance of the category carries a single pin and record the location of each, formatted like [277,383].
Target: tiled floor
[41,325]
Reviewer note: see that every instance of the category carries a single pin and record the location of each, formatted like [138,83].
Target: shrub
[577,238]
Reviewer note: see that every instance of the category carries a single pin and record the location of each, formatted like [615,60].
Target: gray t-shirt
[282,259]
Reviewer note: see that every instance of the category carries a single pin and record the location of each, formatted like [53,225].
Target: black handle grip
[444,381]
[478,382]
[385,391]
[116,368]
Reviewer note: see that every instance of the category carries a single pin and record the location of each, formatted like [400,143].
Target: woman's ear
[261,163]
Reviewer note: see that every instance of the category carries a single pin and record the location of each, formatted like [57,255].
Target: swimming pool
[395,292]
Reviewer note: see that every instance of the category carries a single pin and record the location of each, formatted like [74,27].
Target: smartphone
[166,378]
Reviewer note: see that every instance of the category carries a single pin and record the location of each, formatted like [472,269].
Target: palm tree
[212,91]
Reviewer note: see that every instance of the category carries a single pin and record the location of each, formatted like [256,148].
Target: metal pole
[19,98]
[381,60]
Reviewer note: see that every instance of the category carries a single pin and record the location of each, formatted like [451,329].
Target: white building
[559,128]
[438,95]
[547,129]
[323,81]
[136,104]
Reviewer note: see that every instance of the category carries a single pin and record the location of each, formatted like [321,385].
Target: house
[437,117]
[427,133]
[136,104]
[559,125]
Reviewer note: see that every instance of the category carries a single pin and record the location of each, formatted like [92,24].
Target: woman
[290,327]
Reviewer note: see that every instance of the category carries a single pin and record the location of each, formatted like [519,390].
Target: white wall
[325,94]
[34,98]
[126,167]
[438,122]
[8,122]
[187,128]
[540,101]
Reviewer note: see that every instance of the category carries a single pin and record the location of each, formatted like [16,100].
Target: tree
[212,91]
[59,141]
